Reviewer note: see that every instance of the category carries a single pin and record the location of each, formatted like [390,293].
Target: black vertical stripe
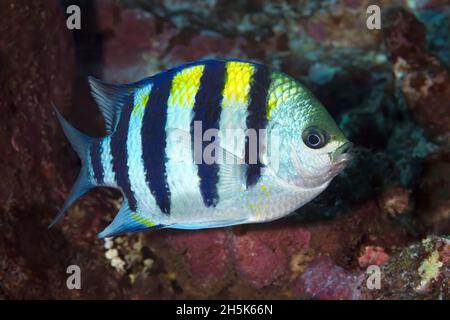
[207,109]
[257,119]
[96,161]
[153,135]
[120,153]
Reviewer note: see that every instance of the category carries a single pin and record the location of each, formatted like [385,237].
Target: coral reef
[423,79]
[424,272]
[389,89]
[434,194]
[323,279]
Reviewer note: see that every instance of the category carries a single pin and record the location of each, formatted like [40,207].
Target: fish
[207,144]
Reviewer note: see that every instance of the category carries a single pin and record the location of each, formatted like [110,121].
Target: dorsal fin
[111,98]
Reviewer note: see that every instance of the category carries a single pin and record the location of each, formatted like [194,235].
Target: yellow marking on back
[185,85]
[281,89]
[237,84]
[140,101]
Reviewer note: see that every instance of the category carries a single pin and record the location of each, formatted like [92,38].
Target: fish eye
[314,137]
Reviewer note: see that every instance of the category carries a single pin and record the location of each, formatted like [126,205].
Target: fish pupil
[313,139]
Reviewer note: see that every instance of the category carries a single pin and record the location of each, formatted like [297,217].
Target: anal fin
[127,220]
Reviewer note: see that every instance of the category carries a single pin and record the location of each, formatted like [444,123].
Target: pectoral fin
[233,166]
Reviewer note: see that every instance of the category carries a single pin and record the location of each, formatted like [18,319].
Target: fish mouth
[342,159]
[342,156]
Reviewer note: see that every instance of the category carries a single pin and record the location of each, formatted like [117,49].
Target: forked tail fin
[80,143]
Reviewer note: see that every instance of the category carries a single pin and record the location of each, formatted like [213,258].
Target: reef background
[388,89]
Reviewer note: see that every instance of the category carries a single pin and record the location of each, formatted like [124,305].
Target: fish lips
[342,157]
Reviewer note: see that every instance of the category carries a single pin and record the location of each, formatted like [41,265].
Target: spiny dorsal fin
[111,98]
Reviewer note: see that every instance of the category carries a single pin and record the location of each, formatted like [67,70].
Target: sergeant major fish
[162,184]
